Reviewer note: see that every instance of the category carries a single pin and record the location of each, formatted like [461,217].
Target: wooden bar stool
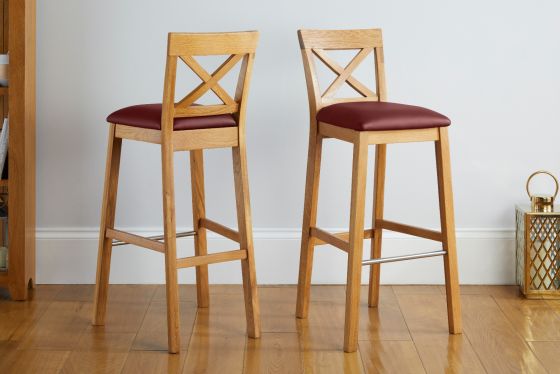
[187,126]
[364,121]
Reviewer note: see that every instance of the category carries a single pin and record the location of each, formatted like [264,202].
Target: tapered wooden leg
[199,211]
[356,240]
[309,220]
[170,240]
[376,240]
[448,230]
[252,310]
[107,221]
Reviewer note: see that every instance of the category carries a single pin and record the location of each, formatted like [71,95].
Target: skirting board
[69,256]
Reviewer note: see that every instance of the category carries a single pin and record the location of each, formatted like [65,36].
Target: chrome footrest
[157,237]
[374,261]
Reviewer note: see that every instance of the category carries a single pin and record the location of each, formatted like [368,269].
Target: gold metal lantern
[538,245]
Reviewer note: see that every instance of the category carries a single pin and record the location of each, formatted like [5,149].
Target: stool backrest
[240,46]
[316,42]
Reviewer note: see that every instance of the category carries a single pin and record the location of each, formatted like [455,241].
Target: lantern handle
[542,172]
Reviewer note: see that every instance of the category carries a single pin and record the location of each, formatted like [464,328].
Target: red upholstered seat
[148,116]
[377,116]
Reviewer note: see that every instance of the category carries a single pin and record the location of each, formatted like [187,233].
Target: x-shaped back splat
[344,75]
[211,82]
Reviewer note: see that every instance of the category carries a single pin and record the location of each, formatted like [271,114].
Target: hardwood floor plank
[447,354]
[52,332]
[60,327]
[97,340]
[390,357]
[187,292]
[548,353]
[277,309]
[229,289]
[140,362]
[15,317]
[76,292]
[273,353]
[126,307]
[131,293]
[218,340]
[385,322]
[123,317]
[426,318]
[328,293]
[94,362]
[120,293]
[532,319]
[18,361]
[488,290]
[417,289]
[44,292]
[321,339]
[499,347]
[152,335]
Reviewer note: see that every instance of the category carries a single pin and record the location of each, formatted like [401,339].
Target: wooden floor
[407,334]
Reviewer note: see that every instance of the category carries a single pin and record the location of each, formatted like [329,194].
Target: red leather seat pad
[378,116]
[148,116]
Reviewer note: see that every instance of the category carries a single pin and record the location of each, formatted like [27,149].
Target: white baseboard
[69,256]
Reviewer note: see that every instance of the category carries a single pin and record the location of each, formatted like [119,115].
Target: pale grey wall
[492,66]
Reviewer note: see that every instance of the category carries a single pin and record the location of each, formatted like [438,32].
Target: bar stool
[187,126]
[364,121]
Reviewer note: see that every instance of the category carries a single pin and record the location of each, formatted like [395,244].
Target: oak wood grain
[273,353]
[498,345]
[153,363]
[407,332]
[427,322]
[390,357]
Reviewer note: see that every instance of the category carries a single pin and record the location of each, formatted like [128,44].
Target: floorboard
[406,333]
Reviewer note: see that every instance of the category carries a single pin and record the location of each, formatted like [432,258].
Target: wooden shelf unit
[18,37]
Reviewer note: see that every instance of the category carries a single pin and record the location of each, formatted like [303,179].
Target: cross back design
[238,46]
[344,74]
[315,44]
[210,82]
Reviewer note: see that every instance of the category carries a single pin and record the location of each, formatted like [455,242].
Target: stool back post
[242,91]
[168,102]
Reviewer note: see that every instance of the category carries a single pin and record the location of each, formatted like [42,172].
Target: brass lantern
[538,245]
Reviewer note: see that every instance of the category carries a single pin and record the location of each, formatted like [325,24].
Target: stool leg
[356,241]
[252,311]
[107,221]
[309,220]
[199,211]
[376,240]
[170,240]
[448,230]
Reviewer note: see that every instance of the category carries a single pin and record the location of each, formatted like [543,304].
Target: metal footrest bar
[402,258]
[157,237]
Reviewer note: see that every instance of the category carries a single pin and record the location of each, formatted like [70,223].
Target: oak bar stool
[363,121]
[187,126]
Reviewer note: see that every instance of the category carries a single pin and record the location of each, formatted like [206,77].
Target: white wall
[492,67]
